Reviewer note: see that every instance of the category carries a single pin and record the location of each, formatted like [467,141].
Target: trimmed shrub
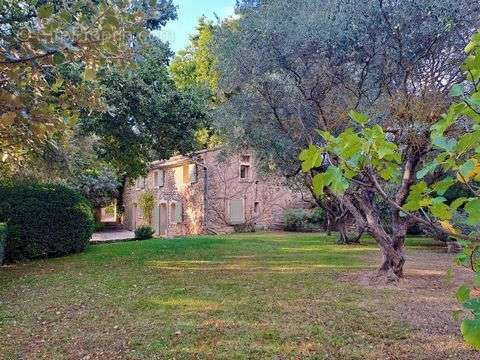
[303,220]
[244,228]
[294,220]
[144,232]
[3,235]
[44,220]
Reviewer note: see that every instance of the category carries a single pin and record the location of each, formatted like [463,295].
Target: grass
[245,296]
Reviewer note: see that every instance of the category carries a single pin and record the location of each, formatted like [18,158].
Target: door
[134,217]
[237,211]
[163,219]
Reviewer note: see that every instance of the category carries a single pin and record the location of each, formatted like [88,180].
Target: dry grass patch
[253,296]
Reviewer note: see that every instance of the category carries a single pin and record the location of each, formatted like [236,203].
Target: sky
[189,11]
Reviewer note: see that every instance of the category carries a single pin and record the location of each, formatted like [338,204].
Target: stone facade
[230,190]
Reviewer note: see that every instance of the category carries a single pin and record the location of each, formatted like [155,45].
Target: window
[256,207]
[176,213]
[189,173]
[236,211]
[140,183]
[245,167]
[244,172]
[159,178]
[192,169]
[245,159]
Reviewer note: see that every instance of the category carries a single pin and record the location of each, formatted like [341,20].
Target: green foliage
[41,43]
[194,69]
[144,232]
[99,225]
[297,73]
[355,151]
[244,228]
[44,220]
[146,203]
[360,155]
[303,220]
[100,187]
[195,65]
[3,236]
[148,117]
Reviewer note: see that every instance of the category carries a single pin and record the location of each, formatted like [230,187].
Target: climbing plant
[146,204]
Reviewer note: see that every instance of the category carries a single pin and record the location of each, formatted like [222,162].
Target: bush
[3,235]
[294,220]
[244,228]
[44,220]
[144,232]
[99,225]
[303,220]
[317,216]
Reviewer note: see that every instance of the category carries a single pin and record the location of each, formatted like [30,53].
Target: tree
[147,117]
[455,141]
[100,187]
[39,42]
[314,61]
[194,68]
[356,165]
[195,65]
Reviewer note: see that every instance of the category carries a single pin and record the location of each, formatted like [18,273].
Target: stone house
[202,193]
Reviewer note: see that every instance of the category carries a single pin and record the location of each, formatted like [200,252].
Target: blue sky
[177,32]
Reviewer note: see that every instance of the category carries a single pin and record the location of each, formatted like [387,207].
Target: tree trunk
[392,246]
[328,225]
[344,239]
[392,265]
[119,203]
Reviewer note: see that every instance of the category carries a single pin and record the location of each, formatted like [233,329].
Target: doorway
[134,217]
[163,219]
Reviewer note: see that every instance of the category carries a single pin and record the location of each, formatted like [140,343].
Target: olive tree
[289,68]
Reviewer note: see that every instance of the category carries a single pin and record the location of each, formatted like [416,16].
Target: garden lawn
[245,296]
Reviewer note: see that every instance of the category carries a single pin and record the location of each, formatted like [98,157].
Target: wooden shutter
[156,219]
[161,178]
[185,174]
[237,211]
[178,212]
[172,212]
[179,177]
[192,169]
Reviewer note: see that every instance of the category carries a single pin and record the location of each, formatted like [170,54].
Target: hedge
[44,220]
[3,235]
[144,232]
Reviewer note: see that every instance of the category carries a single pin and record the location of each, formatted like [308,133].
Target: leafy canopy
[362,152]
[41,43]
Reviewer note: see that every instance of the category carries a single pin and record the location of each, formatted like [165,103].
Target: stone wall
[264,200]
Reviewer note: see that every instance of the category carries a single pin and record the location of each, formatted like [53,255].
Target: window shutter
[178,212]
[161,178]
[156,219]
[237,211]
[179,177]
[193,173]
[173,212]
[155,178]
[185,174]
